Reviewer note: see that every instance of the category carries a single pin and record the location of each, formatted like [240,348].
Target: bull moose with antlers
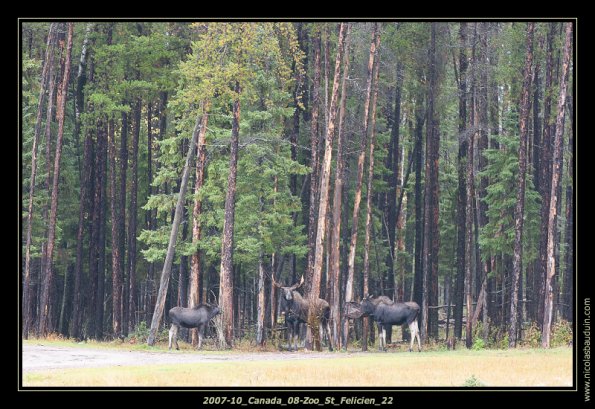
[296,312]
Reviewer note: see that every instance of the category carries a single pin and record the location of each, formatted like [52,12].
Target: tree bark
[366,272]
[195,268]
[520,200]
[314,314]
[335,236]
[556,176]
[132,215]
[462,184]
[431,227]
[314,164]
[166,273]
[61,104]
[359,182]
[226,279]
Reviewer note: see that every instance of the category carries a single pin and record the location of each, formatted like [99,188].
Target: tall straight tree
[226,270]
[358,187]
[335,236]
[431,211]
[46,73]
[556,176]
[520,199]
[462,185]
[325,176]
[366,272]
[195,270]
[314,163]
[132,214]
[61,106]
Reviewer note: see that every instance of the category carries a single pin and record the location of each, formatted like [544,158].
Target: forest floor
[51,363]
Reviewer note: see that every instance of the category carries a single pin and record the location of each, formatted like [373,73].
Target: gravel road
[42,357]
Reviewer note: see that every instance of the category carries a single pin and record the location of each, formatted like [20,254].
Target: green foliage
[497,236]
[473,382]
[478,344]
[561,333]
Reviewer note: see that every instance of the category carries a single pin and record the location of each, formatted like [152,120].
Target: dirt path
[42,357]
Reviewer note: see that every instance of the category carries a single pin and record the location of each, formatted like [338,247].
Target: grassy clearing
[522,367]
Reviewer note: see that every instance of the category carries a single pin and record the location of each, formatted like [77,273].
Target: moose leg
[330,339]
[201,332]
[173,335]
[384,338]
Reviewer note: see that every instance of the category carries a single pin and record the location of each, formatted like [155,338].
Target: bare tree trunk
[556,176]
[431,228]
[520,200]
[166,273]
[47,72]
[132,213]
[226,279]
[61,104]
[195,270]
[314,164]
[335,235]
[314,314]
[358,186]
[366,274]
[462,185]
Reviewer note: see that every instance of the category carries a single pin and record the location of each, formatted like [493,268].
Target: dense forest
[424,161]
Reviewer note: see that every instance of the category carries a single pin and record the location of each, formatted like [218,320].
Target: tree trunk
[314,164]
[61,105]
[47,72]
[335,235]
[99,226]
[520,199]
[462,185]
[314,314]
[556,176]
[195,270]
[393,182]
[358,186]
[419,216]
[122,220]
[166,273]
[132,214]
[366,272]
[226,279]
[260,309]
[431,227]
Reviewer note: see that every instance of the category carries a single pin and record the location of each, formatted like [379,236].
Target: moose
[197,317]
[387,313]
[296,312]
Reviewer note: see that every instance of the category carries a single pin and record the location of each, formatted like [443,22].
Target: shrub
[561,334]
[473,382]
[478,344]
[531,336]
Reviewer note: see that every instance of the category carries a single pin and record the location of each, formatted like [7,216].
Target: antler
[276,284]
[298,285]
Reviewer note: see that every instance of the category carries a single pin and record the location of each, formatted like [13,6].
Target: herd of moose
[384,311]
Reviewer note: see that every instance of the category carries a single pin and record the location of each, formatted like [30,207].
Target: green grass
[520,367]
